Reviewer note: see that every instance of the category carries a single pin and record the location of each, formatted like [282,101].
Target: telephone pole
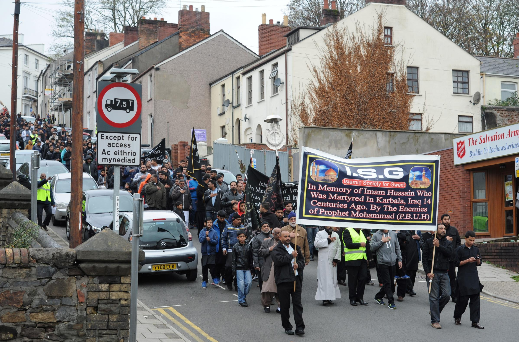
[14,89]
[76,163]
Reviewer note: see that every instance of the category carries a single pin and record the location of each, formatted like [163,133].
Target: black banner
[399,192]
[290,194]
[158,152]
[254,193]
[193,162]
[273,193]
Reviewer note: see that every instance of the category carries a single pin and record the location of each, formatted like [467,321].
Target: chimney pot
[184,7]
[334,5]
[190,7]
[278,23]
[325,6]
[154,18]
[263,18]
[161,19]
[202,8]
[271,21]
[285,20]
[143,18]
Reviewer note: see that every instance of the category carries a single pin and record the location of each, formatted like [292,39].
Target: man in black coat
[454,237]
[90,167]
[409,248]
[288,270]
[200,204]
[269,216]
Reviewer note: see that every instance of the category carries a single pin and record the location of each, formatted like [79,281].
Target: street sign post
[119,125]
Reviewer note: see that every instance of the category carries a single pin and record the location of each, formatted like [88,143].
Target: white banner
[491,144]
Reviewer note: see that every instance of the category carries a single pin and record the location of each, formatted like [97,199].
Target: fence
[224,157]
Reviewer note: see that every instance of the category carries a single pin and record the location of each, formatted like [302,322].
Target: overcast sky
[240,19]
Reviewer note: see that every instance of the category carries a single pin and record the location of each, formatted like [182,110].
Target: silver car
[60,186]
[166,242]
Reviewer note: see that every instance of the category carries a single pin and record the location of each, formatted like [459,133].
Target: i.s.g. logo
[461,149]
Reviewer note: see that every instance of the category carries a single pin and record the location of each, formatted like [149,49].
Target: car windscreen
[163,235]
[52,169]
[105,204]
[4,147]
[63,185]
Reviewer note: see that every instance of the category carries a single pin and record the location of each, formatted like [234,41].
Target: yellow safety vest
[34,137]
[355,254]
[44,193]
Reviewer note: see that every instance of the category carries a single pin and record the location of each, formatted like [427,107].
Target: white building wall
[491,85]
[424,47]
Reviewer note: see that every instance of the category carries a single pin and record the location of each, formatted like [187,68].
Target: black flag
[158,152]
[256,184]
[274,192]
[350,151]
[193,165]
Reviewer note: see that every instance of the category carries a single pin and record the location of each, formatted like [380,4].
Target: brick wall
[115,38]
[90,42]
[194,26]
[454,191]
[516,46]
[131,35]
[148,32]
[498,116]
[271,37]
[166,29]
[183,150]
[174,155]
[505,254]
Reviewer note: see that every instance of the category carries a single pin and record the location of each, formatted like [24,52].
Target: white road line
[224,301]
[422,281]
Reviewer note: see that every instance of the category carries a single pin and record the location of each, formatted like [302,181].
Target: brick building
[272,36]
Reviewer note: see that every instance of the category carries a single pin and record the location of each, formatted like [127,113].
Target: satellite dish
[226,103]
[277,82]
[477,98]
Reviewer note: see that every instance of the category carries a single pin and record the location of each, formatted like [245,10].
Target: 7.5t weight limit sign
[119,107]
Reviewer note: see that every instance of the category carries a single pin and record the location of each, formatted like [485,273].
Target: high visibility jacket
[44,193]
[34,137]
[355,254]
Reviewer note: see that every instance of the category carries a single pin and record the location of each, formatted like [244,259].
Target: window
[464,124]
[25,81]
[390,85]
[262,84]
[460,82]
[238,90]
[415,123]
[249,90]
[273,76]
[223,95]
[479,202]
[26,59]
[150,87]
[508,90]
[388,35]
[36,64]
[222,131]
[412,80]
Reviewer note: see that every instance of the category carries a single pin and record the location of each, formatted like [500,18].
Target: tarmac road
[213,314]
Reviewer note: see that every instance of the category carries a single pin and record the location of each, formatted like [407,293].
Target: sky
[238,18]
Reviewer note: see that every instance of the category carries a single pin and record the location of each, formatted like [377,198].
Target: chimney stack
[516,46]
[325,6]
[194,26]
[330,16]
[272,37]
[334,5]
[389,2]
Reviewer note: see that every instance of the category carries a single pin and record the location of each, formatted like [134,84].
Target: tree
[359,83]
[116,14]
[309,12]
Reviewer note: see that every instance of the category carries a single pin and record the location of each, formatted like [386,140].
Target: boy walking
[209,239]
[241,266]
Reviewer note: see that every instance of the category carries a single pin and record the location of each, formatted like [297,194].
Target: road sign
[120,149]
[119,107]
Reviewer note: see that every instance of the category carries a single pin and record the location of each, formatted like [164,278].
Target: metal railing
[30,92]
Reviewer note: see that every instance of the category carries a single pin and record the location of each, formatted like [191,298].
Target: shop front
[492,160]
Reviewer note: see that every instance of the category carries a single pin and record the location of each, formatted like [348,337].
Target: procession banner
[394,192]
[254,193]
[274,193]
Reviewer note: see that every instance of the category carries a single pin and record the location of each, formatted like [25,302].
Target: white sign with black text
[121,149]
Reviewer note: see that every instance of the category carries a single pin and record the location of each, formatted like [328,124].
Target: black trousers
[341,271]
[461,305]
[401,283]
[219,267]
[452,277]
[386,274]
[205,269]
[200,218]
[357,280]
[411,280]
[41,206]
[228,274]
[285,291]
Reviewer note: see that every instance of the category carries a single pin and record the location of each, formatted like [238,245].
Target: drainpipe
[232,108]
[286,99]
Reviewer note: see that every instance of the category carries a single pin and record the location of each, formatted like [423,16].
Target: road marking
[500,302]
[200,331]
[168,316]
[224,301]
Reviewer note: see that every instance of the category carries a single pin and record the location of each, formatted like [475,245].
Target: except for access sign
[119,107]
[119,149]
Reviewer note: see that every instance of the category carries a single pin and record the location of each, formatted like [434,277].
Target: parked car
[97,210]
[166,242]
[30,119]
[5,151]
[228,177]
[51,168]
[60,187]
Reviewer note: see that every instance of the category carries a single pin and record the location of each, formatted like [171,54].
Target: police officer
[44,201]
[356,263]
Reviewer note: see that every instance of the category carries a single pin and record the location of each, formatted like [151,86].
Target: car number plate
[4,154]
[163,267]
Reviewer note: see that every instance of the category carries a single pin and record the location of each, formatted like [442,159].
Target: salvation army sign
[495,143]
[119,107]
[394,192]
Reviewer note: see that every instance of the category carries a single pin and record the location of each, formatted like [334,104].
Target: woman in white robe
[329,246]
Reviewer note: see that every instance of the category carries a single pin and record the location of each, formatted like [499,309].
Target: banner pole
[432,269]
[295,244]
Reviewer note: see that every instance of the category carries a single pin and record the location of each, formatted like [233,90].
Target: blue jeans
[440,294]
[311,232]
[244,279]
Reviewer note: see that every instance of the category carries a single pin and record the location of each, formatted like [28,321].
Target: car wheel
[67,229]
[192,274]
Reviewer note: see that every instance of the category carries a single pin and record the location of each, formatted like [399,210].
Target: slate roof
[499,66]
[5,42]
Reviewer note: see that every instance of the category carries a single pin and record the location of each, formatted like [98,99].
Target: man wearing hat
[229,239]
[89,166]
[297,236]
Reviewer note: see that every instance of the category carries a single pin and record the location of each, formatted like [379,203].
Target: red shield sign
[461,149]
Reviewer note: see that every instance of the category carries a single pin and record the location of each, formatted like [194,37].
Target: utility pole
[14,89]
[76,163]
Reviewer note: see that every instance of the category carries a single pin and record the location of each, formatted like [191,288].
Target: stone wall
[505,254]
[498,116]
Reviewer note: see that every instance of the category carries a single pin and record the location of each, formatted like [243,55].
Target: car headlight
[61,205]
